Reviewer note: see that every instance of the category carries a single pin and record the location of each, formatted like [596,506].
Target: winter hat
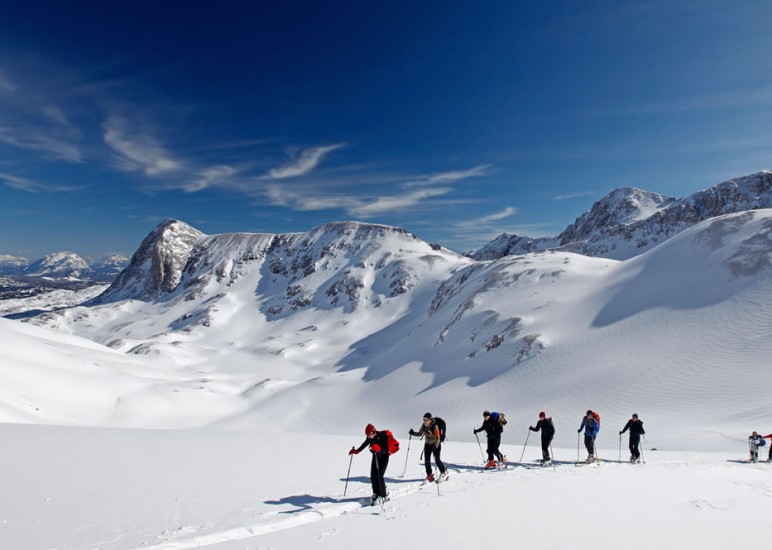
[428,415]
[369,429]
[635,415]
[589,412]
[487,413]
[542,414]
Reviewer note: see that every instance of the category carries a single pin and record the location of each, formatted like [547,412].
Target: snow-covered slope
[351,321]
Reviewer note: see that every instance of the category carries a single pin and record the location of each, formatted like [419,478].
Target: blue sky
[455,120]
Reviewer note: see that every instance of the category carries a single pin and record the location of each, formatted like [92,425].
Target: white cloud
[573,195]
[209,177]
[138,152]
[397,202]
[450,177]
[24,184]
[37,140]
[305,163]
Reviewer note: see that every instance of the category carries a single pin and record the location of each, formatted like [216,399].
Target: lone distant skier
[379,447]
[547,433]
[493,429]
[754,442]
[591,426]
[636,431]
[430,430]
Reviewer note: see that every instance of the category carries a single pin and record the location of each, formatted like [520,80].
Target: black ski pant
[377,471]
[589,444]
[635,440]
[545,447]
[429,450]
[493,448]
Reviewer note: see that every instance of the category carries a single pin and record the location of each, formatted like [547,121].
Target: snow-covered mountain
[58,264]
[12,265]
[365,311]
[629,221]
[108,267]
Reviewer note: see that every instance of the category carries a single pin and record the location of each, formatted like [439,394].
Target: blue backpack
[499,417]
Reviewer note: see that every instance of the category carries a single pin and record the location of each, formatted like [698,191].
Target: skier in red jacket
[379,447]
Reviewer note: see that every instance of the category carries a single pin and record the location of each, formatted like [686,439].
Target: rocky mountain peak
[156,267]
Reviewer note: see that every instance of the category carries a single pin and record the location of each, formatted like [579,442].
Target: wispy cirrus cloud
[30,186]
[304,163]
[208,177]
[137,152]
[449,177]
[356,197]
[577,195]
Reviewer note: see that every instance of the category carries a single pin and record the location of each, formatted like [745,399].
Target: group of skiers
[755,441]
[432,430]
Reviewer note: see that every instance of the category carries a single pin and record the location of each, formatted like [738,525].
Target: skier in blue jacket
[591,427]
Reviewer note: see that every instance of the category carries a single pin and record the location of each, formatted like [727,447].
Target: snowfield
[76,488]
[219,414]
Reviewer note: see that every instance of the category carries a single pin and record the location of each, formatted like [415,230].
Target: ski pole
[524,446]
[640,450]
[437,481]
[578,436]
[407,454]
[478,444]
[553,457]
[350,458]
[595,450]
[620,447]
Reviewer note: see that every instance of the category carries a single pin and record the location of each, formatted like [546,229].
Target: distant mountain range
[61,279]
[629,221]
[64,265]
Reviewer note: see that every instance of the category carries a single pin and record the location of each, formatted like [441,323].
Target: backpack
[391,442]
[763,442]
[500,417]
[596,416]
[440,423]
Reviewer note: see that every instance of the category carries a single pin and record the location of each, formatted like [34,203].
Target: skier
[754,442]
[493,430]
[591,427]
[379,446]
[636,431]
[432,446]
[769,436]
[547,433]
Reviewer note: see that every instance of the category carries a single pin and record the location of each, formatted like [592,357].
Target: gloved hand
[530,428]
[474,431]
[579,430]
[412,432]
[353,451]
[620,433]
[375,448]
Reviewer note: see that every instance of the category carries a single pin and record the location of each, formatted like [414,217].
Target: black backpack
[440,423]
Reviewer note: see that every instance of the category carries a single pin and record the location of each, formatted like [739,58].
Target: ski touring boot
[590,459]
[429,478]
[443,477]
[490,465]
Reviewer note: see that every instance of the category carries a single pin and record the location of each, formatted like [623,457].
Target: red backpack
[392,443]
[596,416]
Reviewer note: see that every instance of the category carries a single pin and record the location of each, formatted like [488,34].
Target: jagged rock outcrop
[156,267]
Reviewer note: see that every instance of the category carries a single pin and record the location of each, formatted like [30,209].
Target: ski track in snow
[462,478]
